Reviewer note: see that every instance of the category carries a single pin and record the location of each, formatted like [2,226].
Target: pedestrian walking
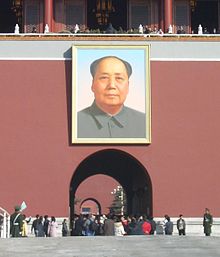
[46,224]
[24,232]
[64,228]
[34,225]
[52,227]
[40,227]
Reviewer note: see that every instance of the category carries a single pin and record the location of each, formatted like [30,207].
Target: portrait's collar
[103,118]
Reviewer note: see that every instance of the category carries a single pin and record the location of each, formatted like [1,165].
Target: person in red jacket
[146,226]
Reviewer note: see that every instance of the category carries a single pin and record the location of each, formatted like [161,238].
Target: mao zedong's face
[110,85]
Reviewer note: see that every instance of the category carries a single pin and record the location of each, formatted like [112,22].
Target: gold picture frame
[124,128]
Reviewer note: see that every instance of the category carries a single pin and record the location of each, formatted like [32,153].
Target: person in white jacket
[119,228]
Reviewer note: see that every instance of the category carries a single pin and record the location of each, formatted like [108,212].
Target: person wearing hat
[108,117]
[16,222]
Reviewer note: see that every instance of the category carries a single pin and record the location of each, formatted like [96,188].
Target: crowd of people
[111,225]
[143,29]
[109,29]
[91,225]
[101,225]
[41,226]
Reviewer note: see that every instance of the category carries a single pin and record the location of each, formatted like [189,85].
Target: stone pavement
[138,246]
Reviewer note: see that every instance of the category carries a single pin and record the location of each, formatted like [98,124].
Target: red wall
[37,163]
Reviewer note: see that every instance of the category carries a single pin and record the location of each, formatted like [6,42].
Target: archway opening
[90,194]
[126,170]
[97,201]
[89,206]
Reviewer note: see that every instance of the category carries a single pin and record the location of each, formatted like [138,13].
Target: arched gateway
[93,200]
[124,168]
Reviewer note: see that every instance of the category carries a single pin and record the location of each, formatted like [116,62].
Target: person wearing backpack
[93,226]
[88,225]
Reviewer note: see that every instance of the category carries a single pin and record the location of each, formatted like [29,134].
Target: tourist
[168,226]
[40,227]
[64,228]
[34,225]
[118,227]
[181,225]
[78,225]
[24,232]
[109,227]
[46,224]
[52,227]
[153,225]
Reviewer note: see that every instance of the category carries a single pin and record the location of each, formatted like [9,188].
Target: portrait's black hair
[94,65]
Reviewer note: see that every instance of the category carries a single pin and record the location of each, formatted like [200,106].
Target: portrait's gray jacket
[94,123]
